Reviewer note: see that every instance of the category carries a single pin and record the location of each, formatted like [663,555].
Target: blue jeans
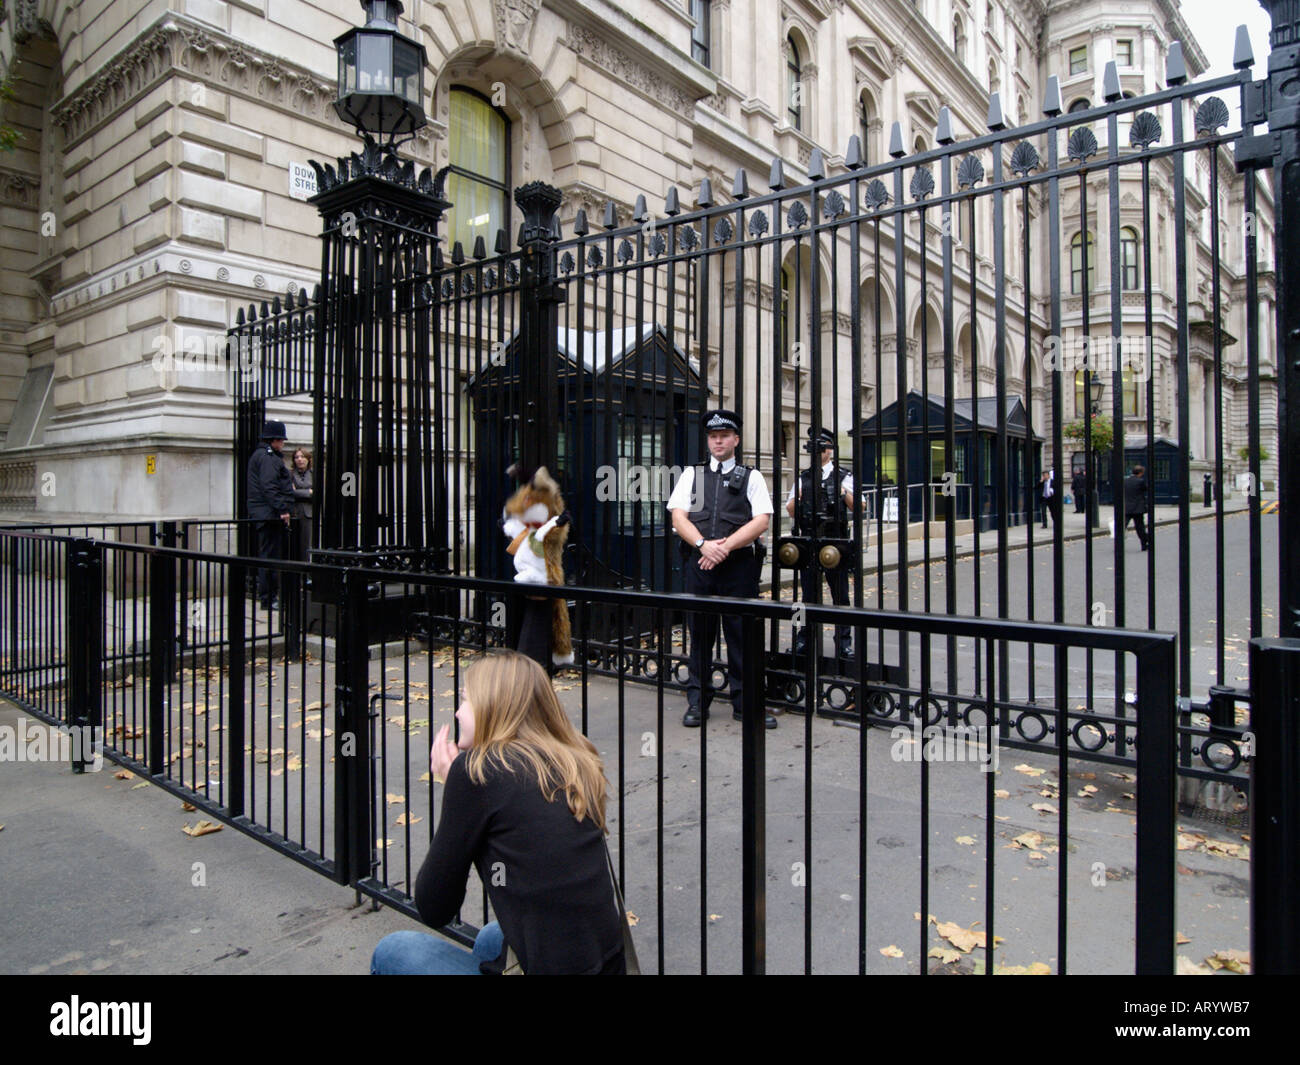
[420,954]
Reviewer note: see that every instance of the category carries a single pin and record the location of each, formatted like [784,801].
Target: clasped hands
[713,553]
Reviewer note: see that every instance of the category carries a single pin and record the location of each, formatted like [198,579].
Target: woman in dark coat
[302,493]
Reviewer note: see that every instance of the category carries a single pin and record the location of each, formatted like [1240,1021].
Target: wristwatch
[699,543]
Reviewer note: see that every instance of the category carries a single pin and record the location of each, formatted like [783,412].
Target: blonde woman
[524,803]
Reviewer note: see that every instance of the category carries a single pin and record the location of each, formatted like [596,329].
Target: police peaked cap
[721,419]
[274,431]
[824,437]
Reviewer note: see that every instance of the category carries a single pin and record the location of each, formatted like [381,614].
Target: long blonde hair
[516,711]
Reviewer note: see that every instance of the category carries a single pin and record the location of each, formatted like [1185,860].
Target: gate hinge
[1257,151]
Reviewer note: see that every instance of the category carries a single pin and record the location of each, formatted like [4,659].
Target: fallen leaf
[932,920]
[1235,961]
[1181,939]
[1089,789]
[317,705]
[891,951]
[123,774]
[383,844]
[1029,770]
[189,808]
[425,777]
[945,956]
[715,917]
[393,799]
[1045,808]
[294,763]
[966,841]
[1000,793]
[632,919]
[964,939]
[1029,840]
[201,828]
[142,784]
[1187,967]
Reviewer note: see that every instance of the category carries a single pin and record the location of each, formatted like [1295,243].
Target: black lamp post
[381,76]
[1096,387]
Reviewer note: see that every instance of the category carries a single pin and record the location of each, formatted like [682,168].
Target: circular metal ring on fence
[650,668]
[837,696]
[794,692]
[930,702]
[1029,715]
[718,679]
[682,673]
[1092,723]
[1222,765]
[881,704]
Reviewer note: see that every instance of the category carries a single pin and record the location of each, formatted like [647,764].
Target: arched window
[1081,104]
[1076,264]
[1128,258]
[794,86]
[700,11]
[864,127]
[1022,110]
[478,184]
[959,38]
[995,81]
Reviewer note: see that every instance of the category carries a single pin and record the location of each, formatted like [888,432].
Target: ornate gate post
[538,298]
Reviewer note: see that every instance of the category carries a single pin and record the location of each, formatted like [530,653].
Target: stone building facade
[151,190]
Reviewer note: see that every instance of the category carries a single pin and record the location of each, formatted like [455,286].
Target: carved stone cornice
[19,189]
[619,64]
[177,44]
[28,22]
[580,196]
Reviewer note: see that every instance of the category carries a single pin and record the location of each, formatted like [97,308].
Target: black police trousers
[838,582]
[736,577]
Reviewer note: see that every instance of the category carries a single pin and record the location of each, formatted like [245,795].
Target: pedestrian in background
[303,495]
[270,503]
[1078,487]
[1135,504]
[1048,494]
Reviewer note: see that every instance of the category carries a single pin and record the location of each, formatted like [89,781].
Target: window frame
[1130,248]
[702,32]
[1126,42]
[1076,263]
[794,76]
[483,179]
[1076,62]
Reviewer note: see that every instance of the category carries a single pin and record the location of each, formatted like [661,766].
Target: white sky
[1214,24]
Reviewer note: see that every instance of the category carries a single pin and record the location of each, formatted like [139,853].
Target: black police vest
[722,506]
[830,500]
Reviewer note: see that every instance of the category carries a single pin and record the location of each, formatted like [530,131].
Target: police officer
[270,500]
[719,510]
[823,513]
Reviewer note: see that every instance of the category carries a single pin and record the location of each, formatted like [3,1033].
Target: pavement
[100,877]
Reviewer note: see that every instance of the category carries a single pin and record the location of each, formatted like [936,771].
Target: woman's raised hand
[443,754]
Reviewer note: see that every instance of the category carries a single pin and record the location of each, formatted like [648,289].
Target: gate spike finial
[776,176]
[705,198]
[896,141]
[853,154]
[740,187]
[315,294]
[816,165]
[239,316]
[943,132]
[502,244]
[611,215]
[1242,56]
[994,120]
[640,212]
[458,253]
[1110,90]
[519,237]
[1052,100]
[581,227]
[480,247]
[1175,67]
[672,206]
[555,227]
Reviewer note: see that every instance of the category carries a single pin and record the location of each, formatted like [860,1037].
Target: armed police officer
[719,510]
[821,511]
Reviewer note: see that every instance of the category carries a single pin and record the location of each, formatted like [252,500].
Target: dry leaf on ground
[201,828]
[891,951]
[407,819]
[188,807]
[1235,961]
[123,774]
[1045,808]
[632,919]
[1029,770]
[966,841]
[1187,967]
[946,956]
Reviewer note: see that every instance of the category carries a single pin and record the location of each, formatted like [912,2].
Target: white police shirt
[846,485]
[760,502]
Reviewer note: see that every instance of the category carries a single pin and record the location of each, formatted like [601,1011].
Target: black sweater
[545,872]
